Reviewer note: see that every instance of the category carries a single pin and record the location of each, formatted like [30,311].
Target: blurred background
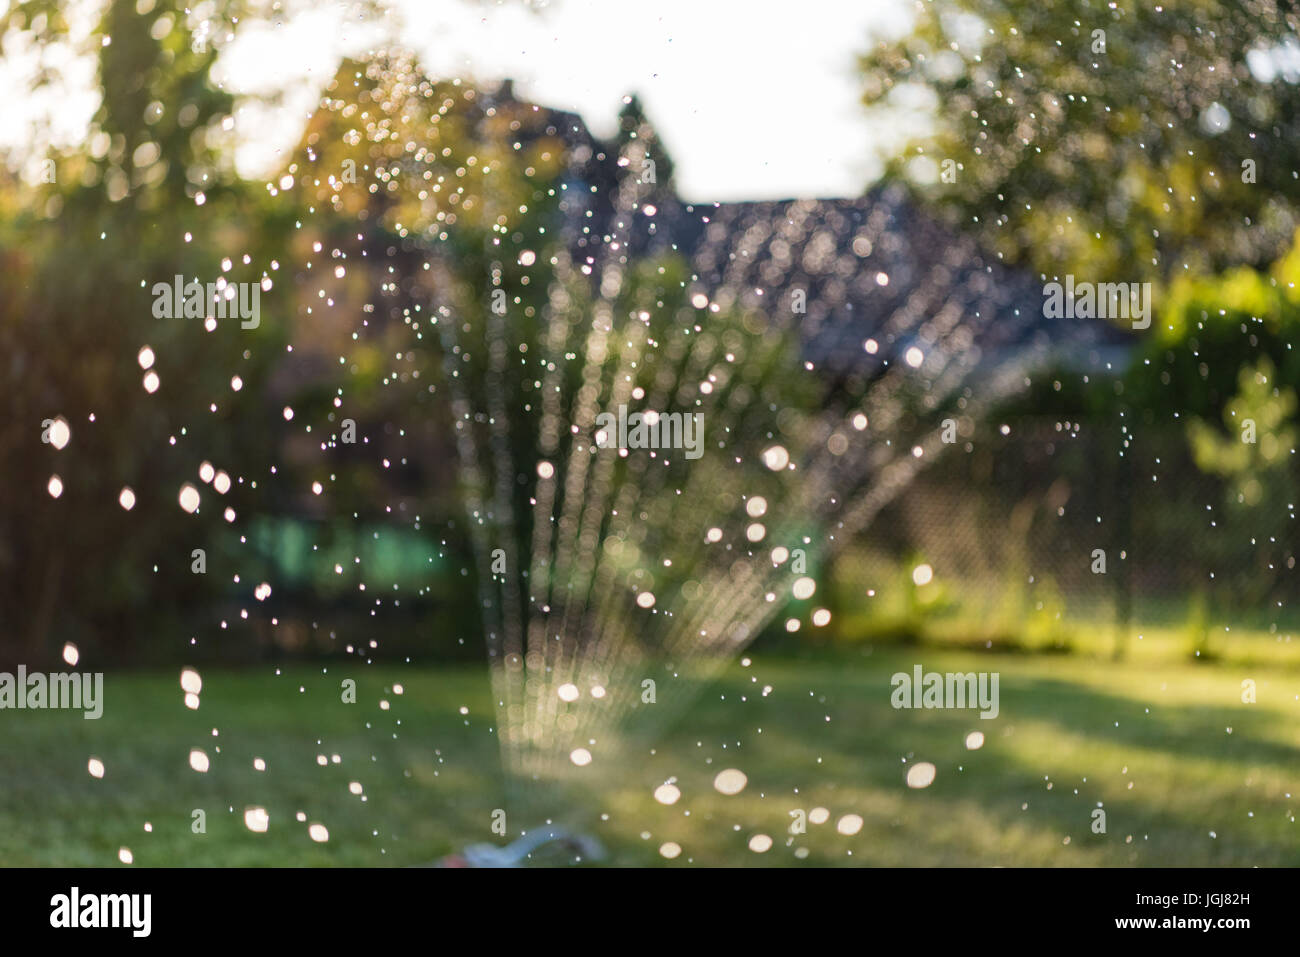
[379,169]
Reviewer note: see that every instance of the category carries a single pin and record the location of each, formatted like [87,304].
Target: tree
[82,254]
[1113,140]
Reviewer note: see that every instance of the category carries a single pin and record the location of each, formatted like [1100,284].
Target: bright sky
[753,100]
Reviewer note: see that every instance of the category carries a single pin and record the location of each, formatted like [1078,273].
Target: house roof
[877,268]
[845,270]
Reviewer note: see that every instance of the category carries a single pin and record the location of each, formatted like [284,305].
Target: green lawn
[1187,773]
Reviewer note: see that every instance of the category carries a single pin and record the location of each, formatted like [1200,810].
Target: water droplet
[920,775]
[731,781]
[667,794]
[60,433]
[776,458]
[257,820]
[849,824]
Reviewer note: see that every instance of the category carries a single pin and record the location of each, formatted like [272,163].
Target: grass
[1186,773]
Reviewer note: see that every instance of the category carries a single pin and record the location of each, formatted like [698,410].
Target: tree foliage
[1113,140]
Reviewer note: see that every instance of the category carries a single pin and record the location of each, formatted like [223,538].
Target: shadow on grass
[420,778]
[1166,775]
